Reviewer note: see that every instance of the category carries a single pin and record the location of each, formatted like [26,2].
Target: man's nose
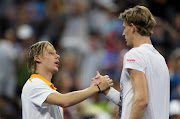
[123,34]
[58,56]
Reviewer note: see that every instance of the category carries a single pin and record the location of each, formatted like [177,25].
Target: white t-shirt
[149,61]
[34,93]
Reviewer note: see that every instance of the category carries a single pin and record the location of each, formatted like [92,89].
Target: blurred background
[87,35]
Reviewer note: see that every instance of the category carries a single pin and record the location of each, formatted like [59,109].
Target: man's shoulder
[32,83]
[134,51]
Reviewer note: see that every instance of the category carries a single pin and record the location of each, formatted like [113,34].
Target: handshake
[102,82]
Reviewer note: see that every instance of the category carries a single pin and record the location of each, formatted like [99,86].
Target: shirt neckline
[43,79]
[146,44]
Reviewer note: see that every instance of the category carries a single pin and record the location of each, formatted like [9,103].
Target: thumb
[97,75]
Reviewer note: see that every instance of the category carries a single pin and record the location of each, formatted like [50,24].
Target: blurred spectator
[176,26]
[68,70]
[8,56]
[161,8]
[76,28]
[174,66]
[161,37]
[9,108]
[175,74]
[175,109]
[52,26]
[25,34]
[5,5]
[99,15]
[91,60]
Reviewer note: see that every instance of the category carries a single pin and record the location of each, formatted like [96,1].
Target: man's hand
[96,80]
[106,82]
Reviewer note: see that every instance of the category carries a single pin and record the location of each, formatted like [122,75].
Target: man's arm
[140,89]
[110,93]
[69,99]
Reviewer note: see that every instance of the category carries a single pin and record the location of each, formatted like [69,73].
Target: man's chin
[129,45]
[55,70]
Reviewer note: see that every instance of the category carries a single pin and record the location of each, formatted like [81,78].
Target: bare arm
[69,99]
[140,89]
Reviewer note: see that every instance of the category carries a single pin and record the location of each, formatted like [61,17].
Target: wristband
[99,88]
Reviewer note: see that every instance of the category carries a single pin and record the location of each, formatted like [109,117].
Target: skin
[138,78]
[140,89]
[48,64]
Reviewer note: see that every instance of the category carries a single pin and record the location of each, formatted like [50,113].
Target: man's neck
[141,40]
[47,76]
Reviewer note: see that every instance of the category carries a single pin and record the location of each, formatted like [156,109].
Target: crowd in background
[87,35]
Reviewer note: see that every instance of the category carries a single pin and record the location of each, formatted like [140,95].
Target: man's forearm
[138,109]
[78,96]
[72,98]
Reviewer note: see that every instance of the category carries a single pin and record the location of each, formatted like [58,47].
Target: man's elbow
[145,102]
[65,104]
[142,102]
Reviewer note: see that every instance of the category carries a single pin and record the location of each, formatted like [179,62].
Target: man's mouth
[57,62]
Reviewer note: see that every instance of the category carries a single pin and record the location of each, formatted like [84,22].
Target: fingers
[104,77]
[95,82]
[110,82]
[98,75]
[106,82]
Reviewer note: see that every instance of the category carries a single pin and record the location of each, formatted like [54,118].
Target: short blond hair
[141,17]
[36,49]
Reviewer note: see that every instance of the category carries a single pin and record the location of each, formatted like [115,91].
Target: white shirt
[7,56]
[34,93]
[149,61]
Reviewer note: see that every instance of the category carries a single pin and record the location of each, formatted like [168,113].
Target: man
[40,100]
[144,83]
[8,55]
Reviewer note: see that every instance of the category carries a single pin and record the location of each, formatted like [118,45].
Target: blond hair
[36,49]
[141,17]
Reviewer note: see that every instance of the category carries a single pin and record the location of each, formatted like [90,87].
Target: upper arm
[55,98]
[135,63]
[139,84]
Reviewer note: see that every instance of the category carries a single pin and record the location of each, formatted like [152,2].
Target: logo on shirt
[130,60]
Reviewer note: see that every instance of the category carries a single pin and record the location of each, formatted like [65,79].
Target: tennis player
[40,100]
[145,83]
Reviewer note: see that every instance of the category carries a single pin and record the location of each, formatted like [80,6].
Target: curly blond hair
[36,49]
[141,17]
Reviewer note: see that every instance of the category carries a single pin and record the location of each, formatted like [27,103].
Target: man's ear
[134,28]
[37,58]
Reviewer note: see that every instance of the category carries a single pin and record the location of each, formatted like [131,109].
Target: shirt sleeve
[134,60]
[39,94]
[113,95]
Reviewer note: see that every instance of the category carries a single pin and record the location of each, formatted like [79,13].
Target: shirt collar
[45,80]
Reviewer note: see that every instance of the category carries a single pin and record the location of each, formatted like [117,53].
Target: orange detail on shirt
[46,81]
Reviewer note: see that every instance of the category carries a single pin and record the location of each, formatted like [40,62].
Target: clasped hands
[103,82]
